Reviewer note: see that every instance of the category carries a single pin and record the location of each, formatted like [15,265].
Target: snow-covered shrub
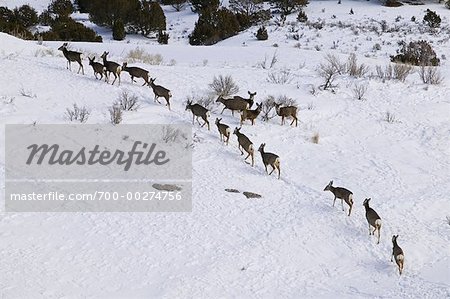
[329,70]
[127,102]
[264,64]
[171,134]
[163,38]
[115,114]
[416,53]
[140,55]
[389,117]
[354,69]
[80,114]
[283,76]
[432,19]
[395,71]
[430,75]
[262,34]
[302,17]
[359,90]
[224,86]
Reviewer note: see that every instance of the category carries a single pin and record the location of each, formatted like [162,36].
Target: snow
[290,243]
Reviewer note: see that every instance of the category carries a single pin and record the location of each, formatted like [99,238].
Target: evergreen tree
[203,5]
[118,30]
[62,8]
[288,6]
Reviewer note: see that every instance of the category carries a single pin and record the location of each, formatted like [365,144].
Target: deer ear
[331,182]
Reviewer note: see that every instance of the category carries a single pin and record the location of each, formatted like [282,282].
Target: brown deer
[373,219]
[270,159]
[232,104]
[251,114]
[246,144]
[72,56]
[284,112]
[397,254]
[198,111]
[224,131]
[160,91]
[111,67]
[249,100]
[342,194]
[97,67]
[137,72]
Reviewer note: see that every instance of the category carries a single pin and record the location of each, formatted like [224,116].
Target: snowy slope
[291,243]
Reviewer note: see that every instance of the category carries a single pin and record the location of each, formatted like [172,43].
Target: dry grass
[140,55]
[315,138]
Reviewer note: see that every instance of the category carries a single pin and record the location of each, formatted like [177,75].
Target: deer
[97,67]
[270,159]
[232,104]
[137,72]
[111,67]
[246,144]
[160,91]
[198,111]
[71,56]
[397,254]
[224,131]
[288,111]
[341,193]
[251,114]
[249,100]
[373,219]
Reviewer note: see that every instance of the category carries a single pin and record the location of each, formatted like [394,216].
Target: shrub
[61,8]
[315,138]
[46,18]
[214,26]
[264,63]
[390,117]
[359,91]
[178,5]
[447,4]
[262,34]
[329,70]
[283,76]
[302,17]
[224,86]
[355,70]
[150,18]
[163,38]
[288,6]
[127,102]
[416,53]
[105,12]
[26,16]
[118,30]
[392,3]
[115,114]
[80,114]
[68,29]
[430,75]
[397,71]
[202,5]
[432,19]
[249,12]
[139,55]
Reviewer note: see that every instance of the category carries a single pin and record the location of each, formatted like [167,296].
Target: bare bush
[329,71]
[430,75]
[395,71]
[80,114]
[310,106]
[115,113]
[266,64]
[267,109]
[390,117]
[127,102]
[224,86]
[354,69]
[26,93]
[283,76]
[359,90]
[171,134]
[140,55]
[315,138]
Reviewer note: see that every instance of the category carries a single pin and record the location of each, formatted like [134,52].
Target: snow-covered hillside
[291,243]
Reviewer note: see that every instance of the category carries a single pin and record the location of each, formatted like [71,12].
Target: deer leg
[334,201]
[207,122]
[239,147]
[156,99]
[266,168]
[392,256]
[342,203]
[253,160]
[198,121]
[168,103]
[118,75]
[193,116]
[68,65]
[273,168]
[350,210]
[115,78]
[369,230]
[247,157]
[228,138]
[279,171]
[379,235]
[223,110]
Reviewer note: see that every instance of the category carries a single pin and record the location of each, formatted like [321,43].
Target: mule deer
[246,144]
[288,111]
[198,111]
[224,131]
[137,72]
[342,194]
[251,114]
[232,104]
[270,159]
[160,91]
[111,67]
[97,67]
[397,254]
[249,100]
[373,219]
[72,56]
